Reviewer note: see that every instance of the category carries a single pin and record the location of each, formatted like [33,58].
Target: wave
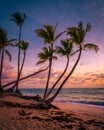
[88,96]
[101,104]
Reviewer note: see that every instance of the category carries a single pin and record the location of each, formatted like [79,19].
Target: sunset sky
[89,72]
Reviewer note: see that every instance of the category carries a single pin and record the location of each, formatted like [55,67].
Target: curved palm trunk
[28,76]
[19,51]
[49,74]
[1,69]
[20,71]
[58,78]
[50,100]
[48,79]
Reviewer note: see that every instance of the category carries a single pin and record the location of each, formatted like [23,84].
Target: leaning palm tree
[77,35]
[45,56]
[19,19]
[4,42]
[24,46]
[66,49]
[48,35]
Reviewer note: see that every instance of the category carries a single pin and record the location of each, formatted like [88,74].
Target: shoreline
[81,104]
[81,108]
[87,96]
[17,113]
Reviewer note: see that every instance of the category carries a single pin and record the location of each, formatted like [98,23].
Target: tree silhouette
[4,42]
[49,37]
[45,56]
[77,35]
[19,19]
[64,50]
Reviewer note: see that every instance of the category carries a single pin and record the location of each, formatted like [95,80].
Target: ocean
[87,96]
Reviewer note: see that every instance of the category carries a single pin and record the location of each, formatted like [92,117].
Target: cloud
[89,79]
[9,72]
[83,64]
[7,66]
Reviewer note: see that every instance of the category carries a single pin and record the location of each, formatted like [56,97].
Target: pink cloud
[7,66]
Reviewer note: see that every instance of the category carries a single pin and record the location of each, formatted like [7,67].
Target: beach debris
[24,113]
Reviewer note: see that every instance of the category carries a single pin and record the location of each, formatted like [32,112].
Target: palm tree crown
[78,34]
[66,48]
[18,18]
[47,33]
[24,45]
[45,55]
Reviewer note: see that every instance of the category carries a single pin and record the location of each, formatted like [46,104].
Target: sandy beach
[17,113]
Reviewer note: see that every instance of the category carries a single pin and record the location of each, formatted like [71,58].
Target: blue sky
[64,12]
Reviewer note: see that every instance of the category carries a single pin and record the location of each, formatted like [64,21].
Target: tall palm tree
[48,35]
[45,56]
[4,42]
[19,19]
[77,35]
[64,50]
[24,46]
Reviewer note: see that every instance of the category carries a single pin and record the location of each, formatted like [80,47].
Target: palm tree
[77,35]
[24,46]
[4,42]
[19,19]
[64,50]
[45,56]
[48,35]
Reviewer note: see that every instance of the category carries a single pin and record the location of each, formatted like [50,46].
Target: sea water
[89,96]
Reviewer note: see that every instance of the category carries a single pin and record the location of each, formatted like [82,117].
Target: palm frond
[18,18]
[17,44]
[80,25]
[77,34]
[55,27]
[45,55]
[50,31]
[3,37]
[54,57]
[66,48]
[59,35]
[8,54]
[60,51]
[91,46]
[43,34]
[12,40]
[73,33]
[24,45]
[40,62]
[88,27]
